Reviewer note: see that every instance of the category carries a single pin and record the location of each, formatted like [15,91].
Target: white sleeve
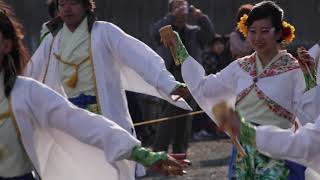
[37,65]
[140,58]
[209,90]
[302,146]
[305,103]
[54,111]
[315,53]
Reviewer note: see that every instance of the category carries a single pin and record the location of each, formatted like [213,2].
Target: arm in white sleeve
[315,53]
[54,111]
[36,67]
[209,90]
[139,57]
[302,146]
[305,102]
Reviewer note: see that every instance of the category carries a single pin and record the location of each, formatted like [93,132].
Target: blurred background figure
[52,10]
[195,37]
[239,46]
[218,55]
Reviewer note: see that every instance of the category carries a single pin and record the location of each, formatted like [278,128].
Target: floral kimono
[271,95]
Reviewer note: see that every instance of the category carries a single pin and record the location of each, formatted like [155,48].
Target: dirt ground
[209,161]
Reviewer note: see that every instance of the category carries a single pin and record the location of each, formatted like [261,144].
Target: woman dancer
[269,87]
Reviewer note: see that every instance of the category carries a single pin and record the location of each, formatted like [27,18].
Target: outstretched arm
[207,90]
[93,129]
[139,58]
[301,146]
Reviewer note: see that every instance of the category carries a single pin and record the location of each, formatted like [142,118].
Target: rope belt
[4,116]
[72,82]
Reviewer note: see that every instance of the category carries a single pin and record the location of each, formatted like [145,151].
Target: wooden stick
[220,110]
[167,118]
[175,58]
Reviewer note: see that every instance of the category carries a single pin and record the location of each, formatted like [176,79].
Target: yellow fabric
[13,159]
[73,80]
[74,49]
[255,110]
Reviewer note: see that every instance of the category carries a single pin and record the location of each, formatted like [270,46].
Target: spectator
[52,10]
[218,55]
[239,46]
[196,38]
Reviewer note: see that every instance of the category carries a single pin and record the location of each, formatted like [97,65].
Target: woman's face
[262,36]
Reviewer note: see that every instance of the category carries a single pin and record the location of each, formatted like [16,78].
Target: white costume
[120,62]
[231,81]
[302,146]
[280,88]
[315,53]
[65,142]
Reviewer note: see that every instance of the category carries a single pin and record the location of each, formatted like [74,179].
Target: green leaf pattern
[146,157]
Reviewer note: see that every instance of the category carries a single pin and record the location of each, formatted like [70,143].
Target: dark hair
[266,9]
[52,8]
[217,38]
[14,62]
[243,9]
[88,4]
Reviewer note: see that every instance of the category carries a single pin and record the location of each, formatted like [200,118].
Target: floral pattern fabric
[256,166]
[273,106]
[283,64]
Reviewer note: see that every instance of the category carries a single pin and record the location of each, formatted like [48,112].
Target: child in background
[218,55]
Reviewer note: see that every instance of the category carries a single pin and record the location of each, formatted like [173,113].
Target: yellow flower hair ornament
[242,25]
[287,32]
[287,29]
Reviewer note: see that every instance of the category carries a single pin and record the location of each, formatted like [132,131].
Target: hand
[169,167]
[231,122]
[306,62]
[196,13]
[181,91]
[169,40]
[182,159]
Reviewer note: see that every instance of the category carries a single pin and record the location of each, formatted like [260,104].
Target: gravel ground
[209,161]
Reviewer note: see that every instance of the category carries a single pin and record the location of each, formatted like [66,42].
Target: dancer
[93,62]
[301,146]
[269,87]
[41,130]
